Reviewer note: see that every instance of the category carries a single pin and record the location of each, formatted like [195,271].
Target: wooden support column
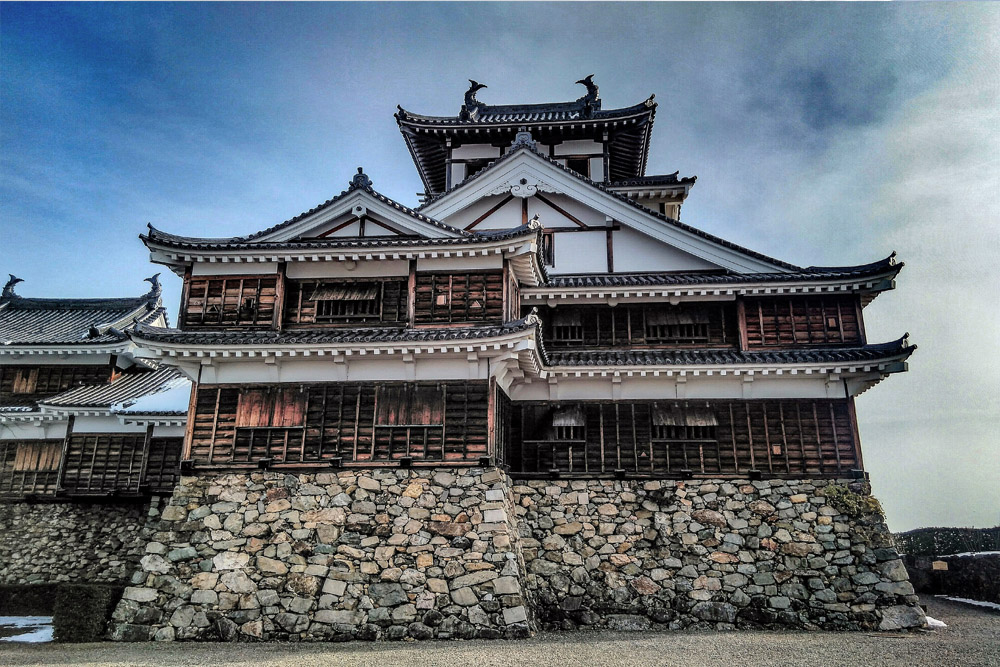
[192,414]
[491,425]
[861,323]
[411,299]
[852,416]
[144,466]
[65,453]
[524,210]
[278,318]
[741,322]
[185,295]
[611,251]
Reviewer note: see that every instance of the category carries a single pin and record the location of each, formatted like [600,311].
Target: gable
[525,183]
[359,212]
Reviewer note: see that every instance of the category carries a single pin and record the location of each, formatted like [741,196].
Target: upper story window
[458,297]
[229,301]
[677,326]
[567,327]
[473,167]
[580,164]
[548,248]
[568,423]
[346,301]
[688,424]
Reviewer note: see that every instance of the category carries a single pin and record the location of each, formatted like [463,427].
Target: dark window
[473,167]
[345,301]
[670,326]
[548,249]
[580,165]
[683,424]
[568,424]
[567,327]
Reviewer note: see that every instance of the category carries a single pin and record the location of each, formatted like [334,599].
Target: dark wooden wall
[41,381]
[229,301]
[105,463]
[29,467]
[640,325]
[792,438]
[95,464]
[783,322]
[366,423]
[449,298]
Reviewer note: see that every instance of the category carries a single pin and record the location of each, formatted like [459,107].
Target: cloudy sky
[820,134]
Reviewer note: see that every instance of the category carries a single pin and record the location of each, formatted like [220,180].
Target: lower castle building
[537,401]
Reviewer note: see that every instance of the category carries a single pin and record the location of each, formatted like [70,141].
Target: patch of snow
[978,603]
[971,553]
[173,399]
[39,628]
[934,623]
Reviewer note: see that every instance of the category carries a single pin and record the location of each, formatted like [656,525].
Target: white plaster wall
[634,251]
[55,360]
[233,269]
[474,151]
[104,425]
[460,263]
[168,431]
[508,216]
[580,252]
[579,147]
[353,368]
[372,268]
[597,169]
[45,431]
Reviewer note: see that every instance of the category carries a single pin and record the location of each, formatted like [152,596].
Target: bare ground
[971,638]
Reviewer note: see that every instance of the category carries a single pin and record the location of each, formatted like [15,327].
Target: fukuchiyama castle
[539,398]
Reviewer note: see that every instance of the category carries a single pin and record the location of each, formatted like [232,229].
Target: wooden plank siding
[119,463]
[363,423]
[42,381]
[779,438]
[651,325]
[29,467]
[300,308]
[459,298]
[795,321]
[230,301]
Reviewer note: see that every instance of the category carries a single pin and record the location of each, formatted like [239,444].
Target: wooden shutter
[279,407]
[26,381]
[42,456]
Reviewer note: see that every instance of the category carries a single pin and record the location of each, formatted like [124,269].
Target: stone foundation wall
[70,541]
[711,554]
[377,554]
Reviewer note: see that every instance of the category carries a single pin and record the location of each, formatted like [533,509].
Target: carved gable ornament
[523,184]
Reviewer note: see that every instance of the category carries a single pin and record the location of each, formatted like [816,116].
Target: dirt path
[972,638]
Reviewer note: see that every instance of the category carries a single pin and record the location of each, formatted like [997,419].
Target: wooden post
[491,405]
[524,210]
[185,295]
[278,318]
[861,325]
[411,297]
[611,251]
[192,414]
[144,466]
[65,452]
[852,415]
[741,322]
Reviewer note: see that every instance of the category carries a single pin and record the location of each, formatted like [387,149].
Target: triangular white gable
[349,209]
[527,174]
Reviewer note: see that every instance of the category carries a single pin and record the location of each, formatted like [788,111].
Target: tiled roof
[556,112]
[657,279]
[26,321]
[360,182]
[848,355]
[127,388]
[329,336]
[653,180]
[241,243]
[631,202]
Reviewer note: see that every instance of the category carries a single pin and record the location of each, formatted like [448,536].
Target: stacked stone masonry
[632,555]
[464,553]
[383,554]
[50,542]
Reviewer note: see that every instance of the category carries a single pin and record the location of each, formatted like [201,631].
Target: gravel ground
[971,638]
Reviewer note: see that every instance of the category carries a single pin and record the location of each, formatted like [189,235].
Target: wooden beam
[192,415]
[65,452]
[559,210]
[411,299]
[611,251]
[278,317]
[185,295]
[741,322]
[489,212]
[350,221]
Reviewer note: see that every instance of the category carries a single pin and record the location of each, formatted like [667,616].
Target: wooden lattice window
[458,297]
[230,300]
[568,423]
[686,424]
[39,457]
[347,301]
[409,421]
[677,326]
[29,467]
[567,327]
